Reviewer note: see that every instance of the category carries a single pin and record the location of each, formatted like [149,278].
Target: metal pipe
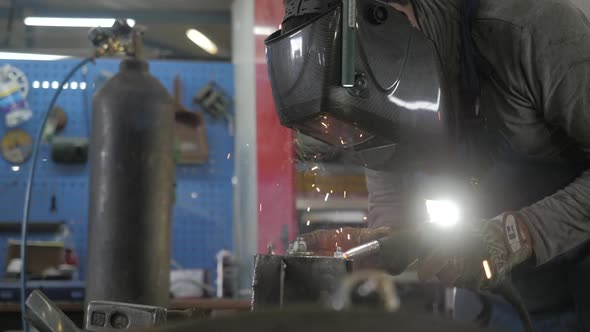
[364,250]
[348,42]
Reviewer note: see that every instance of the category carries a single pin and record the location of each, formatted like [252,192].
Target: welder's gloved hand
[456,255]
[325,242]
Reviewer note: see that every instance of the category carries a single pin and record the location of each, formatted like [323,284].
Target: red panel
[276,173]
[268,14]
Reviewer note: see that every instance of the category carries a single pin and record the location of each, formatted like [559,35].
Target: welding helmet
[357,75]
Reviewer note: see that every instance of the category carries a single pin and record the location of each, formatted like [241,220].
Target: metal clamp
[45,316]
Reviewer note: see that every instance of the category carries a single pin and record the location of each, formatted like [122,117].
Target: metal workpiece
[314,320]
[299,245]
[365,250]
[339,253]
[109,316]
[299,248]
[131,189]
[290,280]
[45,316]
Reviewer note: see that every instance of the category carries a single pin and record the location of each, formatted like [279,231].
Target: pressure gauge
[17,146]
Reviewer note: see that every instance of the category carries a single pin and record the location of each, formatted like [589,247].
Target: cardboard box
[41,255]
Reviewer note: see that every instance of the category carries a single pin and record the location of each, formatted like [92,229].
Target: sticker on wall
[14,87]
[17,146]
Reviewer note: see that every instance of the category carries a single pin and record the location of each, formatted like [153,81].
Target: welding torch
[368,249]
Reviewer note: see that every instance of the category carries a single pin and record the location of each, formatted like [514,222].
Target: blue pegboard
[202,216]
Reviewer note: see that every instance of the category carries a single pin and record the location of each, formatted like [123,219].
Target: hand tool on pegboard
[64,150]
[190,131]
[56,122]
[215,102]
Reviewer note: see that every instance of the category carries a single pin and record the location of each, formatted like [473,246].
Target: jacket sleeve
[387,199]
[559,51]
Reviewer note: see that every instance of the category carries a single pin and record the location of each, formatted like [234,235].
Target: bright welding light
[487,269]
[443,213]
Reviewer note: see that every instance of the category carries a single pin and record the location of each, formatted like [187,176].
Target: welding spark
[364,218]
[308,222]
[314,168]
[318,189]
[324,124]
[308,208]
[337,231]
[260,208]
[228,156]
[313,185]
[342,141]
[327,196]
[345,194]
[361,135]
[331,191]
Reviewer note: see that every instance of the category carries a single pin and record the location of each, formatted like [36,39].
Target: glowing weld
[487,269]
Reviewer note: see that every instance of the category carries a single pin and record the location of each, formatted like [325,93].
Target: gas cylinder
[131,189]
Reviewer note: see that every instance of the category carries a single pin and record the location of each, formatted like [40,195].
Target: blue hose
[29,189]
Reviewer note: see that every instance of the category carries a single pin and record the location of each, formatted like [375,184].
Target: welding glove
[478,256]
[325,242]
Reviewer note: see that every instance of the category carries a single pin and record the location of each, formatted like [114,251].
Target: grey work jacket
[536,101]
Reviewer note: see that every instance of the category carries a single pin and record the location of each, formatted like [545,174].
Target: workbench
[10,317]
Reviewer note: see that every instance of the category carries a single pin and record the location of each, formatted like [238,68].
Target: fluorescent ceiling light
[30,56]
[73,22]
[264,30]
[202,41]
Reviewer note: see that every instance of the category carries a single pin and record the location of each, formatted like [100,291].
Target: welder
[485,102]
